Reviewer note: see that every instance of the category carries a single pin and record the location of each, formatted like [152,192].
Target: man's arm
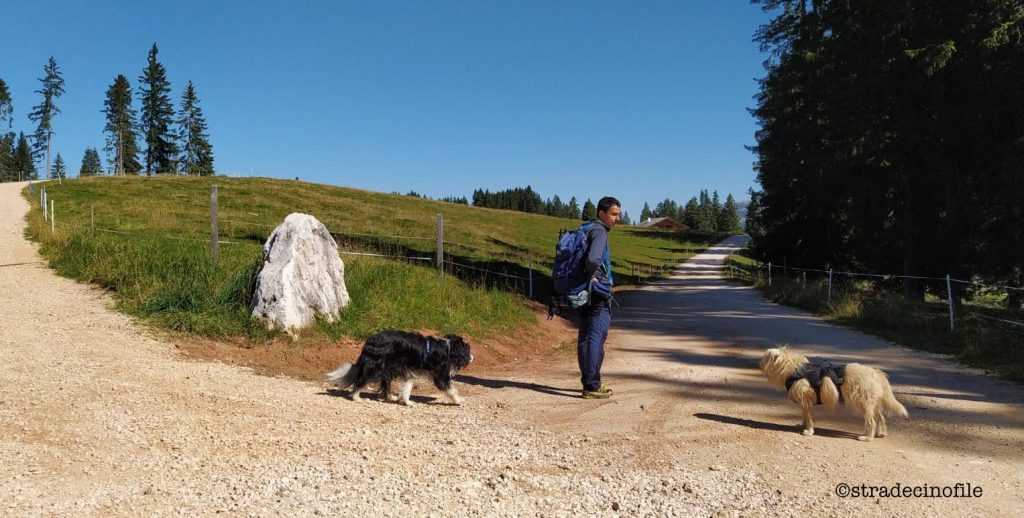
[595,254]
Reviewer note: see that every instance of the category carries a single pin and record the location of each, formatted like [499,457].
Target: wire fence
[503,267]
[959,298]
[507,267]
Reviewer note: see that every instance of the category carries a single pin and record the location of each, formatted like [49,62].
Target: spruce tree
[573,209]
[59,170]
[7,171]
[589,211]
[6,105]
[43,114]
[121,145]
[91,164]
[557,207]
[716,210]
[729,217]
[752,223]
[691,214]
[645,213]
[665,209]
[24,165]
[196,151]
[625,219]
[157,116]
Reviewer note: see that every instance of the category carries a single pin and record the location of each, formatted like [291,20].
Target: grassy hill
[147,239]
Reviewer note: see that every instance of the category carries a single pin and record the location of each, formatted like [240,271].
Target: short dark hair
[606,203]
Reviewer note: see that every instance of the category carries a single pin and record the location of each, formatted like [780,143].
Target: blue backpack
[571,285]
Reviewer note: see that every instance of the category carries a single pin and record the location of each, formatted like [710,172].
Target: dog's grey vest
[814,371]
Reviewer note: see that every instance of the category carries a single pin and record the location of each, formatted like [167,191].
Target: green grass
[158,264]
[869,306]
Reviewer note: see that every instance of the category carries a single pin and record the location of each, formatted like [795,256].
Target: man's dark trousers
[594,323]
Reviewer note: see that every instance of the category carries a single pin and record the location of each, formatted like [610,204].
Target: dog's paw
[458,401]
[864,438]
[406,402]
[808,431]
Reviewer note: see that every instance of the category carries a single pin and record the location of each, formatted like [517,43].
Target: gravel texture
[100,417]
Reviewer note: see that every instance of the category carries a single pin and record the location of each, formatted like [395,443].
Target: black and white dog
[399,355]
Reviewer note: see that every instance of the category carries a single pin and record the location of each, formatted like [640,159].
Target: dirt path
[97,417]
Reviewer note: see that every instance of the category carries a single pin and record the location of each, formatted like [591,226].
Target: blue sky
[640,100]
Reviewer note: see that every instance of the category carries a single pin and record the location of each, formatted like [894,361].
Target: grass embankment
[874,306]
[151,248]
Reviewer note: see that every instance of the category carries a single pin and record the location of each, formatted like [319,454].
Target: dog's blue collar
[426,353]
[429,346]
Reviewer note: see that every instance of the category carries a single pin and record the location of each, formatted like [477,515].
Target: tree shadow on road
[761,425]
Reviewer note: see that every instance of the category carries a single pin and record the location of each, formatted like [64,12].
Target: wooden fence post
[949,296]
[214,231]
[531,277]
[440,245]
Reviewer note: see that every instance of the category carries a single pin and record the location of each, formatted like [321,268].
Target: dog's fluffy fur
[864,388]
[402,356]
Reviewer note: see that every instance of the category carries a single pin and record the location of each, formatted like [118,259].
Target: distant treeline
[527,200]
[707,214]
[450,199]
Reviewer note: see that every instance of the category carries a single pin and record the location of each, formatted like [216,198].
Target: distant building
[662,224]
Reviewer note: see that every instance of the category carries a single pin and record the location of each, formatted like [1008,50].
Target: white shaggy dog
[864,388]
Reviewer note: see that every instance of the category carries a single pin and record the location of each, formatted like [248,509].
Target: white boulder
[302,277]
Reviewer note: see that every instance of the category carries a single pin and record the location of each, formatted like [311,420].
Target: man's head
[608,211]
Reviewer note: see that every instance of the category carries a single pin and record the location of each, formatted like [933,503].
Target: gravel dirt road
[100,416]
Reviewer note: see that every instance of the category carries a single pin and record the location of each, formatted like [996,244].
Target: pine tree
[753,224]
[23,162]
[645,213]
[157,116]
[121,146]
[573,210]
[625,219]
[691,214]
[6,105]
[589,211]
[196,151]
[91,164]
[880,123]
[665,209]
[557,207]
[43,114]
[729,216]
[705,213]
[7,171]
[59,170]
[716,210]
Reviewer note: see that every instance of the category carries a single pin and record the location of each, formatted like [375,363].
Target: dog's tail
[342,377]
[829,393]
[892,407]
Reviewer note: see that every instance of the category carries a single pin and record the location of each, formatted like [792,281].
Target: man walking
[595,318]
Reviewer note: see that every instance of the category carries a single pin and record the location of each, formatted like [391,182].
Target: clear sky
[641,100]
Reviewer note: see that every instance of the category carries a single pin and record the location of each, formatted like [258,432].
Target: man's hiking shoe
[602,392]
